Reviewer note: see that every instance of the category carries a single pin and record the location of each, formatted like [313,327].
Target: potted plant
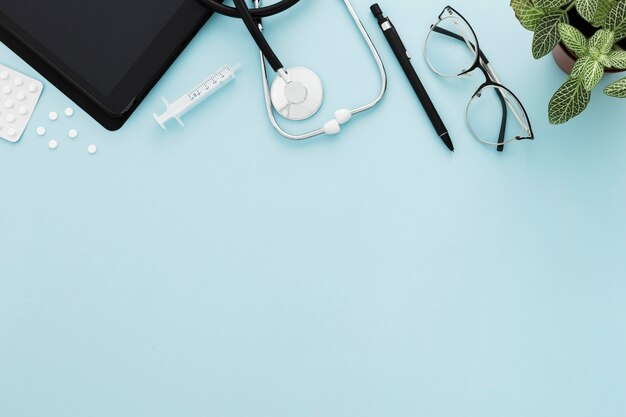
[585,38]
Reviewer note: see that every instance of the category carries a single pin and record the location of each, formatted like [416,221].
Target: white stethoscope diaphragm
[297,93]
[300,97]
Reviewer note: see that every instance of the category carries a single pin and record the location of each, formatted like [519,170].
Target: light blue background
[219,270]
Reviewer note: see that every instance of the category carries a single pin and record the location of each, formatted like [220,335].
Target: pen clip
[406,51]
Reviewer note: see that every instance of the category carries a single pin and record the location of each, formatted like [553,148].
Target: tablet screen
[98,39]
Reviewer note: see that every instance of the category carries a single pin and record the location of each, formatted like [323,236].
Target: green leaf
[588,71]
[605,60]
[551,4]
[602,41]
[616,89]
[587,9]
[616,19]
[617,59]
[578,67]
[573,39]
[527,14]
[547,33]
[531,16]
[604,7]
[594,11]
[568,102]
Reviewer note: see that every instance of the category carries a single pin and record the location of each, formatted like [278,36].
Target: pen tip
[446,139]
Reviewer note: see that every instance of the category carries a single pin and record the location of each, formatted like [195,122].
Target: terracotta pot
[566,59]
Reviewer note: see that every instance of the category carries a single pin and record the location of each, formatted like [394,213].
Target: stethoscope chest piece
[300,97]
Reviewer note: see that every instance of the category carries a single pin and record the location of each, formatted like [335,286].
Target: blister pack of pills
[19,95]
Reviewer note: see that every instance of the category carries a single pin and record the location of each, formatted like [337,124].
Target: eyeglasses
[495,116]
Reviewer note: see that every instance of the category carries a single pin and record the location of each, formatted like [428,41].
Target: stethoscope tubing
[377,59]
[251,19]
[355,111]
[259,12]
[252,25]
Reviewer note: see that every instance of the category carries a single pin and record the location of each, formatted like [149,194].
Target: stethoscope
[296,93]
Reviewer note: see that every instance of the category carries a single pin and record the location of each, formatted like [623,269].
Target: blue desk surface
[219,270]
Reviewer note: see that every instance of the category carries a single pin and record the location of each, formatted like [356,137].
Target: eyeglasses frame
[491,80]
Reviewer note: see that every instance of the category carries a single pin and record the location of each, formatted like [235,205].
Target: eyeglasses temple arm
[490,73]
[462,39]
[502,135]
[519,118]
[488,68]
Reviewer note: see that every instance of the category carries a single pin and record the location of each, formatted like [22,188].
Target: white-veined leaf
[527,13]
[604,7]
[547,33]
[587,9]
[588,71]
[568,102]
[551,4]
[573,39]
[594,11]
[591,74]
[603,41]
[616,19]
[616,89]
[617,59]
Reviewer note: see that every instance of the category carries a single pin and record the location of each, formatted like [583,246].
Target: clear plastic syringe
[196,95]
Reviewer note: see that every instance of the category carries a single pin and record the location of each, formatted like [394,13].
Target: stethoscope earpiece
[297,93]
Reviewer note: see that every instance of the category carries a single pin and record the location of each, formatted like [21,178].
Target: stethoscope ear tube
[258,13]
[257,35]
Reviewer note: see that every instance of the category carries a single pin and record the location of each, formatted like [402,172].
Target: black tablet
[105,55]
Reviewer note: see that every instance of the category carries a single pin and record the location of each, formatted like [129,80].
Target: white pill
[53,144]
[92,149]
[69,112]
[73,133]
[10,117]
[32,87]
[6,89]
[53,116]
[19,81]
[41,131]
[4,75]
[20,96]
[12,132]
[23,111]
[9,104]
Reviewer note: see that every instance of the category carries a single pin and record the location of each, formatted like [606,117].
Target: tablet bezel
[113,109]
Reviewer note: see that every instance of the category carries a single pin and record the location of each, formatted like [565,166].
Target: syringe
[196,95]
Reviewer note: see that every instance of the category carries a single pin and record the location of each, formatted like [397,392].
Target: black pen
[405,61]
